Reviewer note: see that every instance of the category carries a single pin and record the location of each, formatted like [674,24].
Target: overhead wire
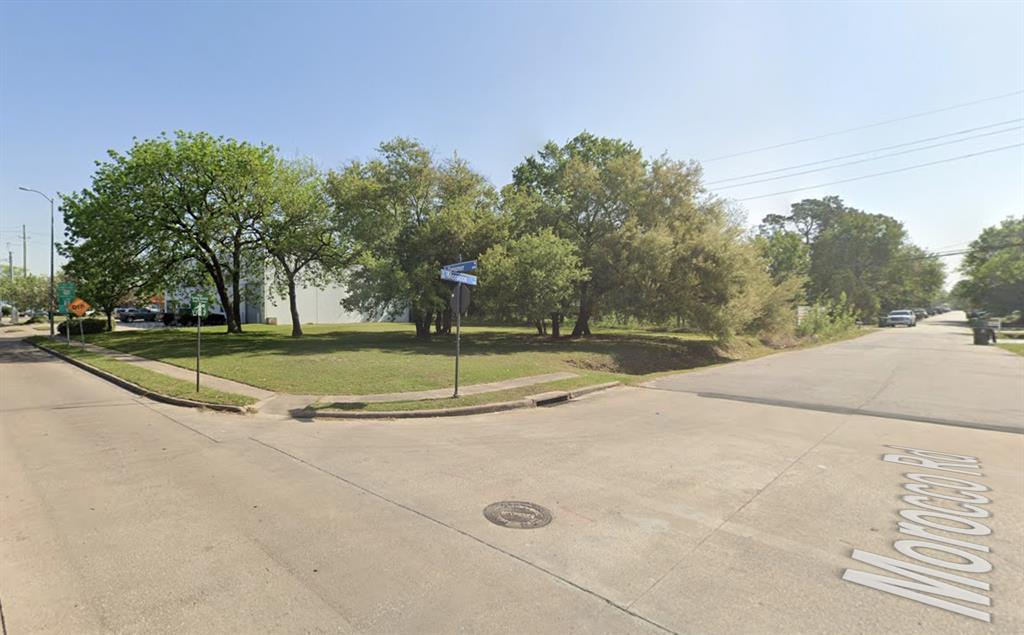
[863,127]
[858,161]
[883,173]
[872,150]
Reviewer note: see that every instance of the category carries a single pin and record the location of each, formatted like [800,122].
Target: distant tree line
[841,254]
[587,229]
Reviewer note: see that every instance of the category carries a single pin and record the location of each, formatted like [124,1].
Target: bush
[89,325]
[828,319]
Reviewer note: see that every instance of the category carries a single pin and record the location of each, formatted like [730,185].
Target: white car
[905,317]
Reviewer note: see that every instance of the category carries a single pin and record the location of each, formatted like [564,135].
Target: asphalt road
[673,512]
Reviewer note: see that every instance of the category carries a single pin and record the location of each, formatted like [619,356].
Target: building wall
[316,306]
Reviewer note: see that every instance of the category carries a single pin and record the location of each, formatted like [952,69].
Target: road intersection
[729,500]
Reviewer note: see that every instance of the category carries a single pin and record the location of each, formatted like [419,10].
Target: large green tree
[197,198]
[584,191]
[408,214]
[847,253]
[298,233]
[532,277]
[993,268]
[109,257]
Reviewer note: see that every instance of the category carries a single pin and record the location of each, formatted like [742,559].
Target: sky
[494,81]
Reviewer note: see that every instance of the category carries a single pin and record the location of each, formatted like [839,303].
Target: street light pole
[53,301]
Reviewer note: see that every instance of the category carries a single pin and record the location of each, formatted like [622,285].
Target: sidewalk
[225,385]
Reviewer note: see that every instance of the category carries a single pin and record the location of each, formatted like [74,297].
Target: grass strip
[498,396]
[1013,348]
[150,380]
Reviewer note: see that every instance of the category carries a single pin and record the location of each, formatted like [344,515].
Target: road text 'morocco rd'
[944,516]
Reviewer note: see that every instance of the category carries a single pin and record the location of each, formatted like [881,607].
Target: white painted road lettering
[940,505]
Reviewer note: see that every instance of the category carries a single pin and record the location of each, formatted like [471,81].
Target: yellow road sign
[79,307]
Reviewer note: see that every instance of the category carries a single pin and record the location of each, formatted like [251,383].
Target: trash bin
[985,329]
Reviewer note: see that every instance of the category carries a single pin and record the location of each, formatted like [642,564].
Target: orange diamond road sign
[79,307]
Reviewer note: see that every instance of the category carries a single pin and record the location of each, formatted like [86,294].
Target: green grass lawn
[148,379]
[1013,348]
[356,359]
[360,359]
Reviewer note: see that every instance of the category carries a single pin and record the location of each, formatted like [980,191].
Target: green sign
[200,306]
[65,294]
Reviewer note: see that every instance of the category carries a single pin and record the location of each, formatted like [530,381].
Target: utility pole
[24,253]
[10,263]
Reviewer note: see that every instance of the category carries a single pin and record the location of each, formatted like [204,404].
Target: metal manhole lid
[517,514]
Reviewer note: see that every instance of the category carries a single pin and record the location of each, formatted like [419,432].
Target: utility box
[271,321]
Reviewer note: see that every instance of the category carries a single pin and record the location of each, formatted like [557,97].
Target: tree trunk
[110,319]
[556,322]
[438,324]
[225,301]
[422,319]
[294,308]
[539,325]
[236,301]
[447,321]
[582,326]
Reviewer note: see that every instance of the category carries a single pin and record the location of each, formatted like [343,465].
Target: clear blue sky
[493,82]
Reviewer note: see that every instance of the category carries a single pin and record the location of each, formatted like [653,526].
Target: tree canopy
[993,268]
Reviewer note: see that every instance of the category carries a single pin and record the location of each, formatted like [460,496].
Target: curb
[533,401]
[139,390]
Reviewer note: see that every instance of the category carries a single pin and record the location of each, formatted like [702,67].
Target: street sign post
[462,267]
[456,273]
[455,276]
[79,307]
[65,294]
[200,309]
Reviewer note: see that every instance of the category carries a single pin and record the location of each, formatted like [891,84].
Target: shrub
[89,325]
[828,319]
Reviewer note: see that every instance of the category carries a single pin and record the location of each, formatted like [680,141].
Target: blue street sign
[455,276]
[462,267]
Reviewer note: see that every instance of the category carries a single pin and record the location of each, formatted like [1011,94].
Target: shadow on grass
[628,353]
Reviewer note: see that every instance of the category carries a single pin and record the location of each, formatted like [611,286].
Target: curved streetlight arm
[28,189]
[53,296]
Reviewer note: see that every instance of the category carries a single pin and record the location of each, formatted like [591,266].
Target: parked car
[132,314]
[906,317]
[920,313]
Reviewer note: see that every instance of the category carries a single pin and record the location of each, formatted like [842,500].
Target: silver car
[905,317]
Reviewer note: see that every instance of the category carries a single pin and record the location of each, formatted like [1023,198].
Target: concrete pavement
[673,513]
[929,373]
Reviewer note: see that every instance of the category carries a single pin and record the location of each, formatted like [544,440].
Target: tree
[847,253]
[298,233]
[584,192]
[531,277]
[198,199]
[852,256]
[108,257]
[26,292]
[408,215]
[787,255]
[993,268]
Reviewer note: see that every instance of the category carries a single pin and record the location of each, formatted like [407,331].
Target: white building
[261,306]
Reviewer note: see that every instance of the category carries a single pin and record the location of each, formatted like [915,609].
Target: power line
[865,127]
[884,156]
[857,154]
[868,176]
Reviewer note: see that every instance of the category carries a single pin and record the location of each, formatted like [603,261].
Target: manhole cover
[517,514]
